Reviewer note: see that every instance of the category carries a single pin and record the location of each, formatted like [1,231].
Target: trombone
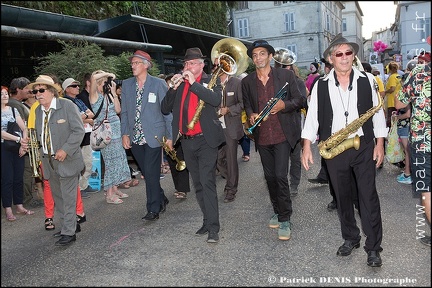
[181,164]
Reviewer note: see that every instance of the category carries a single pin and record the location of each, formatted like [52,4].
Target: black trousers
[275,161]
[201,161]
[360,165]
[149,160]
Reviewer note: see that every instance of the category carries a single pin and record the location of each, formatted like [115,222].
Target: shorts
[403,132]
[420,171]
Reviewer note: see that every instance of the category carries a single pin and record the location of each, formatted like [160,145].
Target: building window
[243,28]
[289,22]
[344,25]
[292,48]
[328,22]
[425,28]
[242,5]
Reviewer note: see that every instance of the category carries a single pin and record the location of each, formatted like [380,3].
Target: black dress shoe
[65,240]
[163,205]
[78,229]
[81,219]
[347,248]
[374,259]
[332,206]
[318,181]
[202,231]
[151,216]
[213,237]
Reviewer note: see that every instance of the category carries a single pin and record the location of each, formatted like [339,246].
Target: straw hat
[44,80]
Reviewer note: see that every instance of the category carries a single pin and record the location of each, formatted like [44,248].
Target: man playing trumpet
[200,144]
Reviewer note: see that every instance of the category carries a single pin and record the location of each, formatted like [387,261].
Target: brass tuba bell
[284,56]
[233,60]
[232,55]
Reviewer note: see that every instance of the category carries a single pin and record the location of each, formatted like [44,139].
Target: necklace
[343,104]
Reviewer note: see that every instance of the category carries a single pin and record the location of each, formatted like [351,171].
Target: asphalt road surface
[117,248]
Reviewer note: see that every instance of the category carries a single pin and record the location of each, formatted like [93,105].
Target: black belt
[192,136]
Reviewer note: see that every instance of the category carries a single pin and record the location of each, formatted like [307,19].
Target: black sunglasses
[73,86]
[41,90]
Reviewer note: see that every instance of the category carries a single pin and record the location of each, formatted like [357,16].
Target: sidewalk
[117,248]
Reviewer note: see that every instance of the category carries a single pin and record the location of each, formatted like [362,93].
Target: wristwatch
[18,140]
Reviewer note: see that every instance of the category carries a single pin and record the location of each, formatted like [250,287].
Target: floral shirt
[416,89]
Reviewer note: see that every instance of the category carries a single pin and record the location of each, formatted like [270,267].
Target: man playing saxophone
[278,132]
[200,144]
[344,106]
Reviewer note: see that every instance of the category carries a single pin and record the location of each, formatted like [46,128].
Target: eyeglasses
[190,64]
[74,86]
[41,90]
[136,63]
[340,54]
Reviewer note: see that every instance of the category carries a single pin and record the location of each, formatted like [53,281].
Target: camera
[118,82]
[107,85]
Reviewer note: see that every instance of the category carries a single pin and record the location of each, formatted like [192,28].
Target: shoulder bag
[101,134]
[394,151]
[14,129]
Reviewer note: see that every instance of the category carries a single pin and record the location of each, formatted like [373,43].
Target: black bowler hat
[193,53]
[338,40]
[260,43]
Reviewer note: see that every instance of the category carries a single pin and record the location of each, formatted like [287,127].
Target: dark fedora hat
[193,53]
[260,43]
[339,40]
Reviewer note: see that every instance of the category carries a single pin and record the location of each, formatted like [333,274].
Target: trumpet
[181,165]
[263,115]
[173,82]
[34,156]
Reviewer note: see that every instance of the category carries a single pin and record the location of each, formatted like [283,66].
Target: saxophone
[338,142]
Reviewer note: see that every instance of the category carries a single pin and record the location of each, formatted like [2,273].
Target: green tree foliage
[79,58]
[204,15]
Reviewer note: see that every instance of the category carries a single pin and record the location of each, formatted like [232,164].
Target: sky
[377,15]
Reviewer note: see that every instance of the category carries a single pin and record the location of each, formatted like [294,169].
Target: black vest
[325,111]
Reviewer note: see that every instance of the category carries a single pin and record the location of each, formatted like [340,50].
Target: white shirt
[53,106]
[342,101]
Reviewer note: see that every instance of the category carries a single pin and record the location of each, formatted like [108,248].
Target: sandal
[121,195]
[10,217]
[25,212]
[124,185]
[245,158]
[180,195]
[49,224]
[134,182]
[114,199]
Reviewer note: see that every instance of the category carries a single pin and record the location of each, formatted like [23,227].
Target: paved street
[117,248]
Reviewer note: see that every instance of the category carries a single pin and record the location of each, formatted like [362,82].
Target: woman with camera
[103,92]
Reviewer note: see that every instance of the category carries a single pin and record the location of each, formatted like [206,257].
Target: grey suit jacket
[154,123]
[234,101]
[67,132]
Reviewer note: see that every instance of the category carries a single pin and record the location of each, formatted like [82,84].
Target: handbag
[14,129]
[394,150]
[101,134]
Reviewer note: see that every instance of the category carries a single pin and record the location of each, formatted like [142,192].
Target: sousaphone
[284,56]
